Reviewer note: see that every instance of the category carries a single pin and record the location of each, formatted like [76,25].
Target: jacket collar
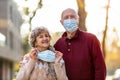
[75,36]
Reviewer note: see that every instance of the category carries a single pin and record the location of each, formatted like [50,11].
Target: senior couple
[76,55]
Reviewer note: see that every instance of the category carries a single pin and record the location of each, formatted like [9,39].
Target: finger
[34,50]
[33,53]
[56,51]
[59,53]
[57,60]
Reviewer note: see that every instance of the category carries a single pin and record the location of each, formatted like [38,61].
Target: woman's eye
[43,36]
[40,37]
[46,35]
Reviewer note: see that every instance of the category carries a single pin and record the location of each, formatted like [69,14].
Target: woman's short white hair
[34,33]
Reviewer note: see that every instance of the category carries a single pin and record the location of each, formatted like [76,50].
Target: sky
[96,17]
[49,14]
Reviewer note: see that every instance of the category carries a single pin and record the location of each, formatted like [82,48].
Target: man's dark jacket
[83,56]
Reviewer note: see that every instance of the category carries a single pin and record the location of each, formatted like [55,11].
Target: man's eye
[66,17]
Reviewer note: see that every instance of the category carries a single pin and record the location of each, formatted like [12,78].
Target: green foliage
[55,37]
[112,62]
[113,57]
[16,67]
[26,10]
[26,46]
[30,12]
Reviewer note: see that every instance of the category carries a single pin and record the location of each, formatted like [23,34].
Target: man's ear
[61,21]
[78,19]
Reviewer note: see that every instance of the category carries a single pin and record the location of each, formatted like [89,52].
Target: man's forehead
[69,11]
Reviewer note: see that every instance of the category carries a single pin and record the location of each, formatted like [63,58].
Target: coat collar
[75,36]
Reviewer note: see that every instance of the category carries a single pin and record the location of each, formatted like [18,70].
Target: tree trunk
[82,14]
[105,31]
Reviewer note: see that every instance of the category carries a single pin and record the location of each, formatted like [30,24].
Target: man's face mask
[47,55]
[70,25]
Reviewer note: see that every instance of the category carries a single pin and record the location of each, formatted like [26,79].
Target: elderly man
[81,50]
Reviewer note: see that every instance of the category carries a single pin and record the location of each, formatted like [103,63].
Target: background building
[10,38]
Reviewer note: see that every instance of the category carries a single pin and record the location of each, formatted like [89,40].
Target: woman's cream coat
[37,70]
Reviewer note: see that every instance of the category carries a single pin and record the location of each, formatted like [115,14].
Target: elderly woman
[43,62]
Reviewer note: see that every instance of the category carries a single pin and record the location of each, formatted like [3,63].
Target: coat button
[69,43]
[68,49]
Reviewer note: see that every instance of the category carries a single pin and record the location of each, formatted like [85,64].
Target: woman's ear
[35,44]
[61,21]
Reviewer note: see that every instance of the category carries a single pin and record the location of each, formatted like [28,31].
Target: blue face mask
[47,55]
[70,25]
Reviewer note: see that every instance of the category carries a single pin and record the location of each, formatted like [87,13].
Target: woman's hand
[33,54]
[58,56]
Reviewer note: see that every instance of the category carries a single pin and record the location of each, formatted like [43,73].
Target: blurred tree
[82,14]
[113,52]
[105,30]
[26,46]
[31,12]
[55,37]
[112,62]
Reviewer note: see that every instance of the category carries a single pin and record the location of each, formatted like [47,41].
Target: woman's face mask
[70,25]
[47,55]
